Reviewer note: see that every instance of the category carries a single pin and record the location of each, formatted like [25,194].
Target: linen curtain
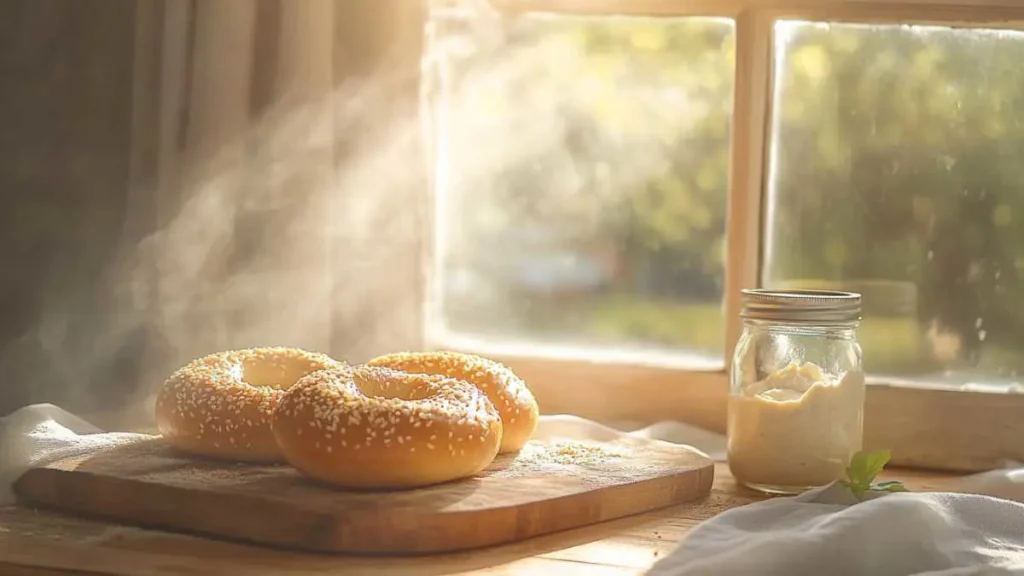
[274,194]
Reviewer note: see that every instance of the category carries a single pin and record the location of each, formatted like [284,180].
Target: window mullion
[747,162]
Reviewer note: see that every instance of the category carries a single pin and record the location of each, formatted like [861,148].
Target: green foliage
[897,157]
[907,152]
[691,326]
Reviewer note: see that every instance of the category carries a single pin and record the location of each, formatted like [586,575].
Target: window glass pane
[897,171]
[581,168]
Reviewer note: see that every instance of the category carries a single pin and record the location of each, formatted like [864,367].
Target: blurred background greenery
[897,165]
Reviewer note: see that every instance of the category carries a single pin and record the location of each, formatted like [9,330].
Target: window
[609,175]
[896,171]
[583,174]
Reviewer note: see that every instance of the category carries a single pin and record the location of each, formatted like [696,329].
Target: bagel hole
[279,374]
[388,383]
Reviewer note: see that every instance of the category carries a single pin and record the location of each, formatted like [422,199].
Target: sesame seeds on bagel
[510,395]
[220,405]
[371,428]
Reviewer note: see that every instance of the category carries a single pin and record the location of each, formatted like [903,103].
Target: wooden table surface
[38,542]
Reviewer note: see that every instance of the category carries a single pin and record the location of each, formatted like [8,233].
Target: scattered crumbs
[580,454]
[559,456]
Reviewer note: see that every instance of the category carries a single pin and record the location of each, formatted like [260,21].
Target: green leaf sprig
[862,471]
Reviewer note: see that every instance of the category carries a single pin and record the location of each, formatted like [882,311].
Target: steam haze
[313,226]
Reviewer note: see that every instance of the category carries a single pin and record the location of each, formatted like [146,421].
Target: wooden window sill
[928,428]
[38,542]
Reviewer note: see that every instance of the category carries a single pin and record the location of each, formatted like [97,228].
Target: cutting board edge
[54,488]
[50,487]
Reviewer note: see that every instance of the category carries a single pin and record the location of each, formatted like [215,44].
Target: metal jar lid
[801,306]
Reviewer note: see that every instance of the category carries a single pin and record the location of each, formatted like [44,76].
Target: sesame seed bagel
[220,405]
[508,392]
[376,428]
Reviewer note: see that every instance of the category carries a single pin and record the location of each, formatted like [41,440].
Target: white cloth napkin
[43,433]
[978,530]
[826,531]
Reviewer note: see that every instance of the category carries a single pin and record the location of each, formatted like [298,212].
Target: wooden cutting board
[549,486]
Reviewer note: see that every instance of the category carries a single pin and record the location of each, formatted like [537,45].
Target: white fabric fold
[42,433]
[826,531]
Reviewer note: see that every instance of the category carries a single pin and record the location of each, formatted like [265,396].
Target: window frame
[924,427]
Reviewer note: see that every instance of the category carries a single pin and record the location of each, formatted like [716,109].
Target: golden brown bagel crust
[376,428]
[508,392]
[220,405]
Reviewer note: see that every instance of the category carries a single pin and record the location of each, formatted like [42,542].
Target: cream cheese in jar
[797,428]
[796,400]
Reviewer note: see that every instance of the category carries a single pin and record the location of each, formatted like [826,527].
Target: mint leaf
[890,486]
[876,462]
[858,489]
[864,468]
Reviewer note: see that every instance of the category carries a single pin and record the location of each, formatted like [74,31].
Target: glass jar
[796,397]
